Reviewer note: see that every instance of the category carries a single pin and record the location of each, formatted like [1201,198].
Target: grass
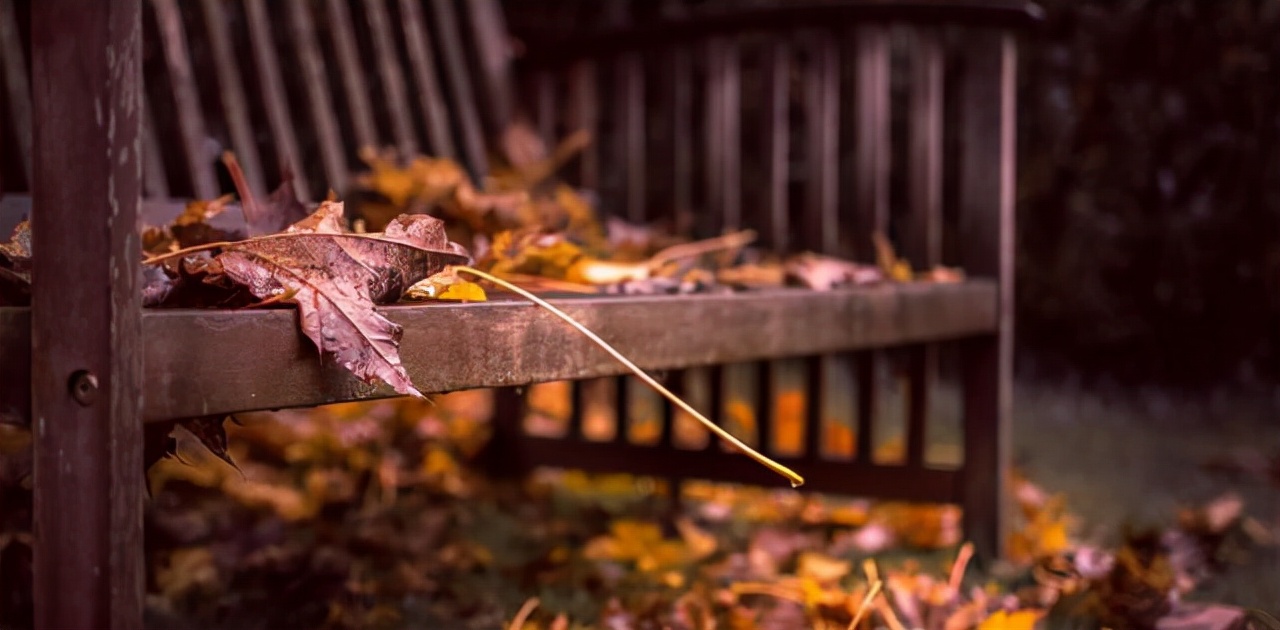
[1134,460]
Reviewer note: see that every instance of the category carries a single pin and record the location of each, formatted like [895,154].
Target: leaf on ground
[1018,620]
[1197,616]
[336,277]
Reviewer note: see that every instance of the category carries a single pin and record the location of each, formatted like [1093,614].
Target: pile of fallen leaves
[379,515]
[528,227]
[372,515]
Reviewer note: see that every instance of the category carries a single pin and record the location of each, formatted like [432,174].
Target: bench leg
[987,164]
[86,328]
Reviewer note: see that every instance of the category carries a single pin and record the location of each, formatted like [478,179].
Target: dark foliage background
[1149,184]
[1150,190]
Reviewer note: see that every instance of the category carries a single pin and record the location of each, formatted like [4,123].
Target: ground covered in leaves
[376,515]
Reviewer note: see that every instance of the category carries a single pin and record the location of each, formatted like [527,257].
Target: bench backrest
[307,82]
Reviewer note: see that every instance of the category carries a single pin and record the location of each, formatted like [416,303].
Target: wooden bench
[786,119]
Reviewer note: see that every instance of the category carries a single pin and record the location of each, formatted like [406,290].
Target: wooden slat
[272,87]
[544,103]
[584,101]
[872,125]
[631,111]
[552,47]
[822,134]
[923,233]
[235,109]
[17,206]
[352,71]
[863,366]
[493,52]
[573,430]
[923,242]
[777,137]
[16,87]
[87,111]
[422,61]
[871,203]
[238,360]
[465,105]
[987,134]
[155,181]
[682,132]
[852,478]
[191,127]
[392,77]
[325,120]
[722,155]
[675,382]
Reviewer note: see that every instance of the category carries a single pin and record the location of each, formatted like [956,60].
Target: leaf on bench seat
[335,277]
[15,267]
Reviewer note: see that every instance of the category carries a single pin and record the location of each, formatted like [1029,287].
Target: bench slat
[200,361]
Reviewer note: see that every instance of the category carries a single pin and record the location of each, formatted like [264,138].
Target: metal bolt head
[84,387]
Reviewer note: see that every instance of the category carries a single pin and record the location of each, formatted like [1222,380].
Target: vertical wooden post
[987,95]
[86,326]
[922,240]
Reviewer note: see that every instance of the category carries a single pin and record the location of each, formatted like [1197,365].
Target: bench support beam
[86,313]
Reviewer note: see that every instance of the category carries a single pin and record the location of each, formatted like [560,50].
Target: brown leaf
[156,285]
[1197,616]
[192,227]
[211,433]
[16,253]
[824,273]
[281,208]
[335,278]
[15,267]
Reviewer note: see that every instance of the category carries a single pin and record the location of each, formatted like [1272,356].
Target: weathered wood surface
[988,98]
[86,325]
[200,361]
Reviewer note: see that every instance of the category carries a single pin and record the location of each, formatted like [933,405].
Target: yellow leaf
[1002,620]
[587,270]
[821,568]
[701,544]
[464,291]
[446,285]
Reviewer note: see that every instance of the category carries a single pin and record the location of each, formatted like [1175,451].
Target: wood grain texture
[186,96]
[198,362]
[85,313]
[986,228]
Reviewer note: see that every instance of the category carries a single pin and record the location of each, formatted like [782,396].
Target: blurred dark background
[1149,186]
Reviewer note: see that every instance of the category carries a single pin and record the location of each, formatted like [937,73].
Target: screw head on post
[83,386]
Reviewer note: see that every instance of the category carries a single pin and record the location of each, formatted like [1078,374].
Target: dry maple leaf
[336,277]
